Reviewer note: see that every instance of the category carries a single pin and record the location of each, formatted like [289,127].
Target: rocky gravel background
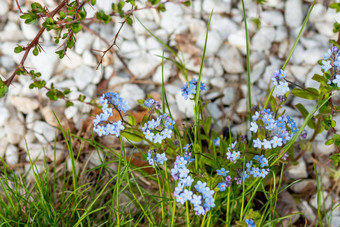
[26,116]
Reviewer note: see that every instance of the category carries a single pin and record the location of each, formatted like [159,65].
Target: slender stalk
[198,88]
[247,55]
[228,208]
[292,50]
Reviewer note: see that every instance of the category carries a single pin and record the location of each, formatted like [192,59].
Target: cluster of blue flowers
[332,60]
[152,104]
[256,171]
[109,101]
[190,88]
[202,203]
[227,182]
[159,159]
[276,131]
[250,223]
[217,141]
[158,130]
[233,155]
[281,86]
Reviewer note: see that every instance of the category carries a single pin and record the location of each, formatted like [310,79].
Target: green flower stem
[198,88]
[228,209]
[292,50]
[248,55]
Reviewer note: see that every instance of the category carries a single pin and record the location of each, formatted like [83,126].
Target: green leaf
[76,28]
[129,21]
[81,98]
[35,51]
[329,142]
[335,6]
[273,103]
[161,8]
[309,93]
[320,79]
[93,2]
[145,119]
[69,103]
[304,113]
[67,91]
[132,136]
[3,88]
[207,125]
[336,159]
[132,120]
[154,2]
[336,138]
[120,5]
[61,53]
[187,3]
[18,49]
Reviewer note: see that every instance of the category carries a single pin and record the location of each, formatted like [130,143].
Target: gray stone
[172,18]
[263,39]
[130,49]
[326,200]
[302,185]
[257,71]
[218,6]
[212,95]
[3,142]
[45,62]
[325,28]
[271,18]
[84,42]
[3,8]
[307,211]
[299,72]
[89,59]
[214,42]
[70,112]
[238,39]
[231,59]
[29,30]
[278,4]
[298,171]
[214,111]
[312,83]
[83,76]
[11,33]
[4,115]
[185,106]
[229,95]
[12,156]
[294,13]
[131,93]
[220,24]
[72,61]
[44,132]
[242,106]
[312,55]
[144,65]
[280,34]
[15,130]
[256,56]
[167,68]
[318,13]
[217,82]
[23,104]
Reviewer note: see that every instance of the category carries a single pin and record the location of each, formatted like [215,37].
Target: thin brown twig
[34,42]
[110,49]
[19,8]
